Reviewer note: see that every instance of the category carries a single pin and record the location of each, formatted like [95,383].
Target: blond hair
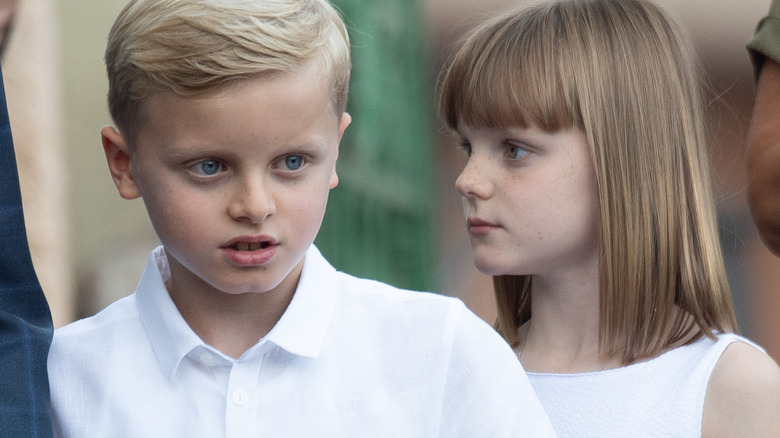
[194,47]
[621,71]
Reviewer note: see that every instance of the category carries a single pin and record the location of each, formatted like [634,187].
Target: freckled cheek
[540,203]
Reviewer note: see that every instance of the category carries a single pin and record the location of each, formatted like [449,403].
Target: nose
[252,201]
[473,181]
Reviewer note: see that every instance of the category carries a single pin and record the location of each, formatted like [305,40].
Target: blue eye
[209,167]
[514,152]
[293,162]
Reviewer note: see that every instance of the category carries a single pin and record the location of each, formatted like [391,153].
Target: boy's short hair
[195,47]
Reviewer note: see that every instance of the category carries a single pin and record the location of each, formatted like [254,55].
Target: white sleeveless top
[663,397]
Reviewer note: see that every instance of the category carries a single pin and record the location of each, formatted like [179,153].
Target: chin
[497,270]
[248,288]
[487,268]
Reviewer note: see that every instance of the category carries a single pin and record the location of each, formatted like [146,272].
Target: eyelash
[519,150]
[201,173]
[465,147]
[283,164]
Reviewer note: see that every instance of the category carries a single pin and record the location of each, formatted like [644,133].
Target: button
[240,397]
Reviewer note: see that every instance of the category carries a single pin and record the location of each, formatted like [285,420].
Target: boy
[228,116]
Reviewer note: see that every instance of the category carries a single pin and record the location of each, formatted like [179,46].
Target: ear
[346,119]
[119,162]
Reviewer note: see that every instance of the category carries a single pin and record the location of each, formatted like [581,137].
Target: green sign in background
[379,218]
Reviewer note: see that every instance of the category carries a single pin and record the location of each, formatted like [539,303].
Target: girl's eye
[514,152]
[466,147]
[207,167]
[293,162]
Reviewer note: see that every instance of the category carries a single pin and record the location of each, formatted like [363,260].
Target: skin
[235,184]
[535,197]
[530,203]
[743,395]
[545,176]
[764,156]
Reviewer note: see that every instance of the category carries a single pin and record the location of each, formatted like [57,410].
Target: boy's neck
[233,323]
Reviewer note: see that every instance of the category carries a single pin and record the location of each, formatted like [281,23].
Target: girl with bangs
[587,198]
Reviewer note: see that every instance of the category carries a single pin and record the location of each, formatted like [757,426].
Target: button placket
[240,405]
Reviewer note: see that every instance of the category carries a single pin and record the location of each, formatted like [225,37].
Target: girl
[587,198]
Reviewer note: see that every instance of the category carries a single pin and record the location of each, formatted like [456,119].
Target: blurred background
[396,215]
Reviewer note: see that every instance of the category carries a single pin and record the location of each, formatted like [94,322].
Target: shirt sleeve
[487,392]
[766,40]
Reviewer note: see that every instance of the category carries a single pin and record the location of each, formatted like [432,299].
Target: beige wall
[32,91]
[110,237]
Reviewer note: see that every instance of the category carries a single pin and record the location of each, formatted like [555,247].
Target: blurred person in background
[25,321]
[7,13]
[764,132]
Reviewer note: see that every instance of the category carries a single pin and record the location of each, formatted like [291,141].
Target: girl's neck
[563,333]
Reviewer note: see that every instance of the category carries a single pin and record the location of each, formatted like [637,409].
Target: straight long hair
[623,73]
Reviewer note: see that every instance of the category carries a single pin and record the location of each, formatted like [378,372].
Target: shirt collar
[170,335]
[301,330]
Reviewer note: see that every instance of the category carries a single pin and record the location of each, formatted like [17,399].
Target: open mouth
[250,246]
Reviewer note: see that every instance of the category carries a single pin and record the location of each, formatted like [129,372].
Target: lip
[250,251]
[480,227]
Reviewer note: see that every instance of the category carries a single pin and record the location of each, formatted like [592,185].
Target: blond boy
[228,117]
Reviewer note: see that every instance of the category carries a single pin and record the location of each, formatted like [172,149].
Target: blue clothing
[25,321]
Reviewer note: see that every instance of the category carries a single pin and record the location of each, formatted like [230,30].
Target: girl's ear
[119,161]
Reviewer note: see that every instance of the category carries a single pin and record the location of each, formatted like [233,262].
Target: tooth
[254,246]
[242,246]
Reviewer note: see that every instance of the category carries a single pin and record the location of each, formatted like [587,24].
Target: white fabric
[349,358]
[663,397]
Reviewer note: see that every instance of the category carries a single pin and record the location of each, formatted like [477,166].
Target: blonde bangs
[509,73]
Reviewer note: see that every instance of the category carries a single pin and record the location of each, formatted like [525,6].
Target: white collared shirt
[349,358]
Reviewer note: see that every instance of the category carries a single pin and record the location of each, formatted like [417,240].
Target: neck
[232,323]
[563,334]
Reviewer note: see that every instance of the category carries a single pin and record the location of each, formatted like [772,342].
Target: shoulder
[743,396]
[383,296]
[119,312]
[118,320]
[428,317]
[350,290]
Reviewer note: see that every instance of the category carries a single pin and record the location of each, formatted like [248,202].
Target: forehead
[283,107]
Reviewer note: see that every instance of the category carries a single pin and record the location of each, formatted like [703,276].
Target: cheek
[178,214]
[307,201]
[583,198]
